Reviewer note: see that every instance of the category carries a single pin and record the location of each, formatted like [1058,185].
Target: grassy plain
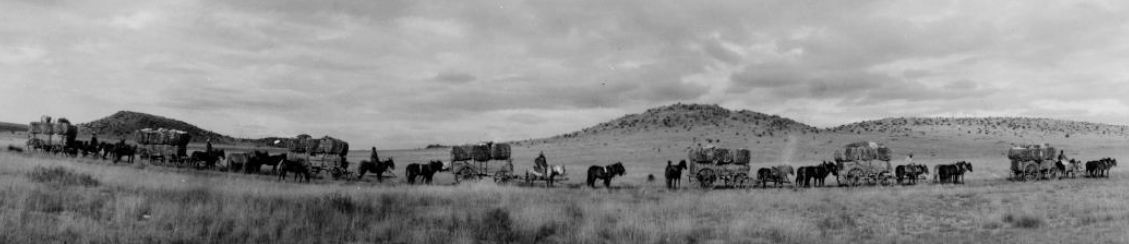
[134,203]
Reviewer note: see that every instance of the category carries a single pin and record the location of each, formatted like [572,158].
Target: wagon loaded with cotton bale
[51,136]
[1031,162]
[711,165]
[865,163]
[326,154]
[163,146]
[472,162]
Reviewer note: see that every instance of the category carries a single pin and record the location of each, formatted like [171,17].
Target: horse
[777,174]
[208,158]
[674,174]
[816,174]
[953,173]
[424,171]
[605,173]
[121,149]
[909,173]
[1100,168]
[1073,168]
[299,167]
[378,168]
[237,161]
[260,158]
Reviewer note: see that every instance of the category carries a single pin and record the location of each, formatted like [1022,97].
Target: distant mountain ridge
[5,126]
[698,119]
[125,123]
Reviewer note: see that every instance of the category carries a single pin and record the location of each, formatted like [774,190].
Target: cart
[162,146]
[472,162]
[324,155]
[1033,162]
[710,166]
[865,163]
[51,136]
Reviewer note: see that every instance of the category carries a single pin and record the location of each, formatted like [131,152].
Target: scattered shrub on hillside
[60,176]
[1023,221]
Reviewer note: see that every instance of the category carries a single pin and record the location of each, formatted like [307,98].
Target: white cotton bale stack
[500,151]
[480,152]
[461,153]
[742,156]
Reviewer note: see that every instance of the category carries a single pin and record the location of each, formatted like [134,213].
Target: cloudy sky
[400,74]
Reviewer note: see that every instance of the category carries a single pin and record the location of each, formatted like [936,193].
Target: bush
[60,176]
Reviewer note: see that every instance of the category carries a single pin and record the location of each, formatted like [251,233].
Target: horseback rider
[374,158]
[540,165]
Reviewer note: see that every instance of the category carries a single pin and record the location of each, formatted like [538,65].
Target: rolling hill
[124,123]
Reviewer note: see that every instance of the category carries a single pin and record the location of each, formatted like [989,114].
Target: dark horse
[817,174]
[674,174]
[1101,167]
[298,167]
[207,159]
[377,168]
[909,173]
[952,173]
[605,173]
[424,171]
[260,158]
[121,149]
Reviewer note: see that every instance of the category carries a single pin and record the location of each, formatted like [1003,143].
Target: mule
[605,173]
[674,174]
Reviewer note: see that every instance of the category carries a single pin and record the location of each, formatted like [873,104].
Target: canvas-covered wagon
[710,165]
[51,136]
[865,163]
[1031,162]
[326,154]
[163,145]
[471,162]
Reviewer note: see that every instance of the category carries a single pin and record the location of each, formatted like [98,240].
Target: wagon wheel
[501,177]
[885,179]
[1031,172]
[706,177]
[465,175]
[741,180]
[854,177]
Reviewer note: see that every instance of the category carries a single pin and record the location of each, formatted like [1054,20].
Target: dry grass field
[62,200]
[51,199]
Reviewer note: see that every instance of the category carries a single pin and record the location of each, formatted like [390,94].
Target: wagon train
[711,166]
[864,163]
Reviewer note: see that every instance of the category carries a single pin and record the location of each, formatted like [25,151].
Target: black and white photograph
[541,121]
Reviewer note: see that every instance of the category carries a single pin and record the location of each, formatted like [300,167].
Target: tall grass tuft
[60,176]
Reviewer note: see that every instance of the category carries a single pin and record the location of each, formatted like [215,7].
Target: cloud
[417,72]
[454,77]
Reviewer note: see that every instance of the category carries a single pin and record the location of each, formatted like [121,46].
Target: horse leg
[608,182]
